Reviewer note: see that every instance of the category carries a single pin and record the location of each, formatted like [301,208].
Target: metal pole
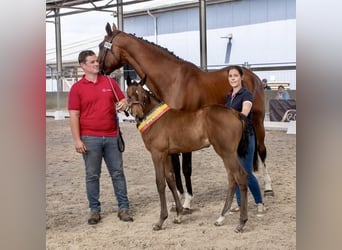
[119,9]
[155,26]
[203,34]
[58,57]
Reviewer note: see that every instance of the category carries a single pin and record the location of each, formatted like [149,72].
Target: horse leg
[159,167]
[229,200]
[236,175]
[267,181]
[260,134]
[243,186]
[187,171]
[170,179]
[176,169]
[177,172]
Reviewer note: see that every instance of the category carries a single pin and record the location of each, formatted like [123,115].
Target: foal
[215,125]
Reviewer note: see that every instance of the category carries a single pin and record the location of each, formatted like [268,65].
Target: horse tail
[255,157]
[244,140]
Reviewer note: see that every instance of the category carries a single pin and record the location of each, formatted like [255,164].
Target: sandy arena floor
[67,211]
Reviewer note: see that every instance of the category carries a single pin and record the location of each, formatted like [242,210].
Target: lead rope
[116,96]
[121,142]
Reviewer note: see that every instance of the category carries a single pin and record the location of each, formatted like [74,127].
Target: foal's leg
[242,180]
[236,175]
[229,199]
[159,162]
[172,186]
[187,171]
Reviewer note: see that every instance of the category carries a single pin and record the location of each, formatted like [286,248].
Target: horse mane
[158,46]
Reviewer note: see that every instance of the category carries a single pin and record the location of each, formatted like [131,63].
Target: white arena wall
[273,42]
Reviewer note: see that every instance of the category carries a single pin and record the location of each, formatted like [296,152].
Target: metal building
[260,34]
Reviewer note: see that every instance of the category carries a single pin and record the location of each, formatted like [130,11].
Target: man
[264,83]
[282,94]
[94,130]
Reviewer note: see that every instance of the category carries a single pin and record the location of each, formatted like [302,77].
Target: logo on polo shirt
[106,90]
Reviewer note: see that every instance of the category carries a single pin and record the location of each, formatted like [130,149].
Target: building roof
[130,7]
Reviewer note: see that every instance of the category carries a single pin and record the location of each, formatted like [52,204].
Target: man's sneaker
[261,210]
[94,217]
[234,210]
[124,215]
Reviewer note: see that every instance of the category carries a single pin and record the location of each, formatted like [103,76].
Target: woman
[242,100]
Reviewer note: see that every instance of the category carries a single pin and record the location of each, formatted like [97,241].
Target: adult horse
[223,128]
[181,84]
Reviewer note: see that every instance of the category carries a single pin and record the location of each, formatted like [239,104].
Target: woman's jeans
[247,164]
[99,147]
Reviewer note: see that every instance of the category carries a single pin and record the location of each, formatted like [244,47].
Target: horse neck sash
[153,116]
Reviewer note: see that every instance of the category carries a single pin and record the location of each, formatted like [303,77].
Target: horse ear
[114,27]
[109,29]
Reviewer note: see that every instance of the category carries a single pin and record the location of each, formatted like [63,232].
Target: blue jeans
[99,147]
[247,164]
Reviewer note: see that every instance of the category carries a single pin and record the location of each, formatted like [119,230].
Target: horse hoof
[177,221]
[268,193]
[157,227]
[238,229]
[218,224]
[219,221]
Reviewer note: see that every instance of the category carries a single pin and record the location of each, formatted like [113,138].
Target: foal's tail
[244,141]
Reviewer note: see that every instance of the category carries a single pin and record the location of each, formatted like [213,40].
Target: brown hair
[82,57]
[238,68]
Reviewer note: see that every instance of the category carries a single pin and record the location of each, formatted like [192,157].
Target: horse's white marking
[187,200]
[179,195]
[219,221]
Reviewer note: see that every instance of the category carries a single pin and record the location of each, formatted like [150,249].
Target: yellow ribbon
[153,117]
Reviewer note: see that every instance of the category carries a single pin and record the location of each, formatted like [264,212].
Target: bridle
[107,47]
[131,104]
[142,104]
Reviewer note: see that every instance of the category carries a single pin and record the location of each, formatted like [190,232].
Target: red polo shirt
[95,101]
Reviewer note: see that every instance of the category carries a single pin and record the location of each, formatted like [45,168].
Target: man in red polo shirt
[94,130]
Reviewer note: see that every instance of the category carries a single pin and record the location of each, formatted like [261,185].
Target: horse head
[109,55]
[137,98]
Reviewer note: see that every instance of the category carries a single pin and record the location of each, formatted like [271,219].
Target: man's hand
[122,105]
[80,147]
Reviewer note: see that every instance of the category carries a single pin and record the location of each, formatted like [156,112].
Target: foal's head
[137,98]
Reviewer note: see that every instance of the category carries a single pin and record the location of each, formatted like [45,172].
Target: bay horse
[222,127]
[181,84]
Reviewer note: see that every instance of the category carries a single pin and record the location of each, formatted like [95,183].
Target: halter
[142,104]
[108,47]
[136,103]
